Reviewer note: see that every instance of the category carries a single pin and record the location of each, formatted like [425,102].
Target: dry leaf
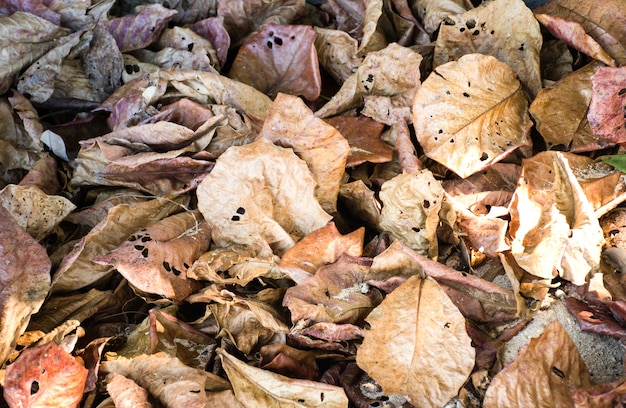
[471,113]
[505,29]
[433,12]
[608,104]
[337,53]
[126,393]
[138,30]
[363,135]
[260,195]
[292,124]
[24,281]
[417,344]
[255,387]
[45,376]
[543,375]
[280,58]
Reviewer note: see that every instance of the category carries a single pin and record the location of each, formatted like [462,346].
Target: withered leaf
[608,104]
[363,135]
[433,12]
[471,113]
[417,344]
[140,29]
[126,393]
[280,58]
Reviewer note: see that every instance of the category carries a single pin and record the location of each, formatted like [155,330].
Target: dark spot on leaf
[144,253]
[136,68]
[558,372]
[327,293]
[521,47]
[447,325]
[416,229]
[622,91]
[278,41]
[152,28]
[448,92]
[301,401]
[448,21]
[139,247]
[484,156]
[370,78]
[175,271]
[146,238]
[269,45]
[426,204]
[462,29]
[475,32]
[271,33]
[132,238]
[186,265]
[482,25]
[190,46]
[492,32]
[235,218]
[451,140]
[322,396]
[293,37]
[469,84]
[128,69]
[465,94]
[195,391]
[166,266]
[34,387]
[367,88]
[471,23]
[440,131]
[241,210]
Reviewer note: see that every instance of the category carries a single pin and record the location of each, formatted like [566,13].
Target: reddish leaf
[606,115]
[141,29]
[45,376]
[280,58]
[363,135]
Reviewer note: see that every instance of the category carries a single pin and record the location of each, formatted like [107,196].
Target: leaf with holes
[471,113]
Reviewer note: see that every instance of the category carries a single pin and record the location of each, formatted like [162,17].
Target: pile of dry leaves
[331,203]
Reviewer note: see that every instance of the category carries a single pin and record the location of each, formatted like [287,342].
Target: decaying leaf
[280,58]
[471,113]
[24,281]
[432,358]
[292,124]
[607,109]
[260,195]
[126,393]
[364,137]
[45,376]
[142,28]
[255,387]
[433,12]
[543,375]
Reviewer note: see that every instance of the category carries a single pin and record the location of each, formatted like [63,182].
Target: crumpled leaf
[392,72]
[138,30]
[126,393]
[605,22]
[433,12]
[608,104]
[255,387]
[321,247]
[242,17]
[45,376]
[25,38]
[553,225]
[20,146]
[471,113]
[337,53]
[280,58]
[574,35]
[260,195]
[544,374]
[283,359]
[213,29]
[600,395]
[34,210]
[505,29]
[292,124]
[77,270]
[413,207]
[155,260]
[169,381]
[417,344]
[183,38]
[337,293]
[24,281]
[364,137]
[560,112]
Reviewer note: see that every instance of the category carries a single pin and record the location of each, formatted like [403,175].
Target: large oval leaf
[470,113]
[417,344]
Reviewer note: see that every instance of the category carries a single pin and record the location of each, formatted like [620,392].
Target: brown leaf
[471,113]
[363,135]
[126,393]
[256,387]
[260,195]
[560,112]
[433,12]
[292,124]
[608,104]
[600,395]
[321,247]
[280,58]
[504,29]
[45,376]
[337,53]
[605,21]
[155,259]
[543,375]
[24,281]
[289,361]
[417,344]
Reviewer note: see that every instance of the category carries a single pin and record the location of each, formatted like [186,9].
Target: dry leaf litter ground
[312,203]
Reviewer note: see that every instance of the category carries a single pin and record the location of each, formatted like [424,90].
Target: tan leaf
[337,53]
[560,112]
[126,393]
[169,381]
[24,281]
[608,104]
[45,376]
[182,38]
[605,22]
[292,124]
[417,344]
[363,135]
[155,259]
[362,202]
[543,375]
[260,195]
[413,207]
[433,12]
[77,270]
[471,113]
[35,211]
[255,387]
[280,58]
[321,247]
[391,72]
[505,29]
[574,35]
